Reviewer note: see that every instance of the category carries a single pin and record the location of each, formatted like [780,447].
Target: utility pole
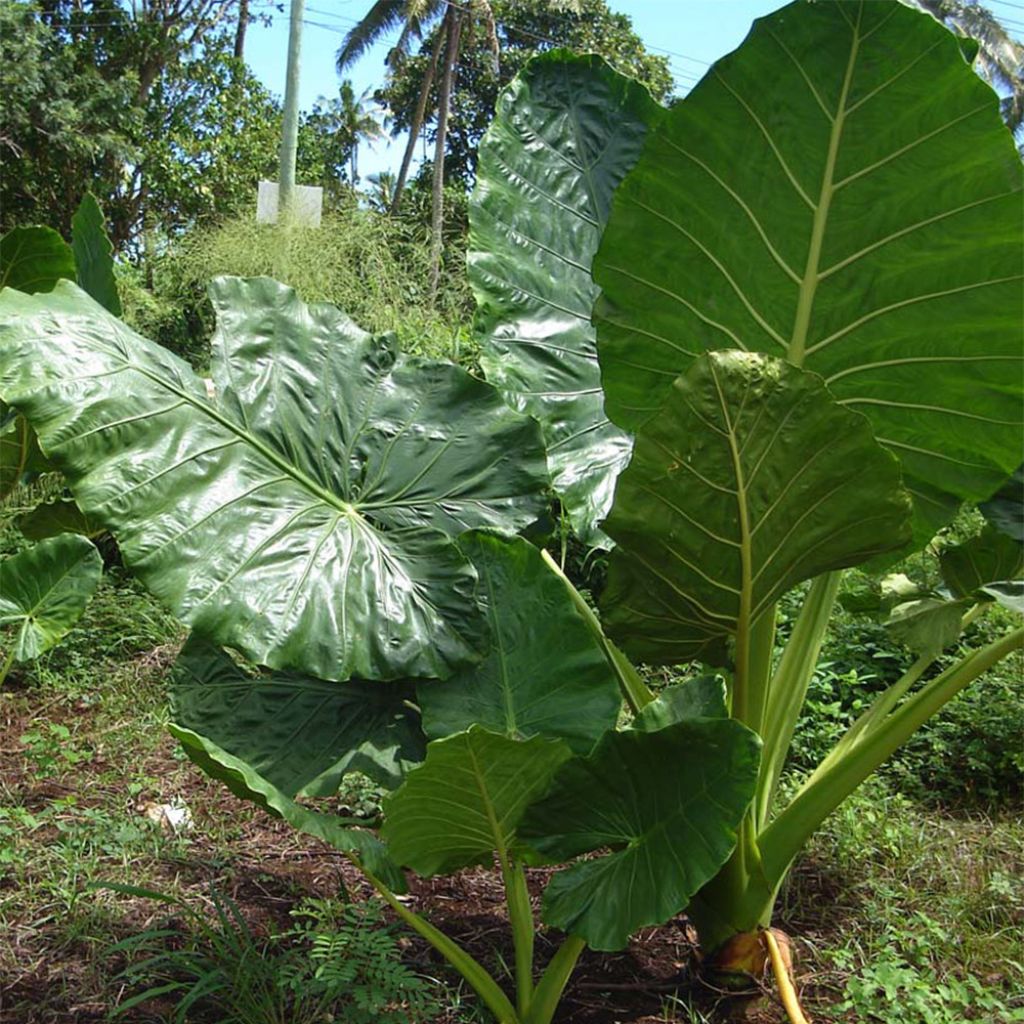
[290,121]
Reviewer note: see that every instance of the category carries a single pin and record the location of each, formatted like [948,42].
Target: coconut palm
[1000,59]
[414,17]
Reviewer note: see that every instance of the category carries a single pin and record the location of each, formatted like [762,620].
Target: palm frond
[382,17]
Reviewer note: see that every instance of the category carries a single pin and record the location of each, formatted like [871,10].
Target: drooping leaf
[299,733]
[34,259]
[93,253]
[840,191]
[749,480]
[701,697]
[544,674]
[44,590]
[987,558]
[56,517]
[248,784]
[927,625]
[1005,509]
[1008,593]
[304,516]
[565,132]
[465,801]
[20,457]
[666,803]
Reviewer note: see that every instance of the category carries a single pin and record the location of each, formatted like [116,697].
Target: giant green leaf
[248,784]
[665,803]
[20,457]
[34,259]
[44,590]
[749,480]
[56,517]
[464,802]
[299,733]
[565,132]
[990,557]
[303,514]
[94,263]
[841,192]
[544,675]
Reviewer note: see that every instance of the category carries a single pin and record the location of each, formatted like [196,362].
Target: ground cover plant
[334,550]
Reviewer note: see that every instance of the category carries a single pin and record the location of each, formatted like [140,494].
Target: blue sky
[691,33]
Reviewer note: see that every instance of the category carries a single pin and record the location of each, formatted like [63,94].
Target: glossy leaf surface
[565,132]
[302,516]
[44,590]
[465,801]
[544,673]
[749,480]
[248,784]
[839,191]
[34,259]
[94,263]
[666,803]
[299,733]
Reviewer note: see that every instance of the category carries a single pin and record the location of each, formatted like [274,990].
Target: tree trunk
[243,24]
[451,56]
[417,121]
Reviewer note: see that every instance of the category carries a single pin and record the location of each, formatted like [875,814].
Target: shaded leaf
[779,207]
[44,590]
[34,259]
[928,625]
[749,480]
[303,516]
[987,558]
[56,517]
[544,674]
[465,801]
[565,132]
[20,457]
[666,803]
[93,253]
[1005,509]
[701,697]
[247,784]
[299,733]
[1008,593]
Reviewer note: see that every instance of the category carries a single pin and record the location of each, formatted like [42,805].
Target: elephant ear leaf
[56,517]
[20,457]
[44,591]
[1005,509]
[463,804]
[94,262]
[305,516]
[248,784]
[34,259]
[519,689]
[820,245]
[299,733]
[749,480]
[700,697]
[565,132]
[985,567]
[666,835]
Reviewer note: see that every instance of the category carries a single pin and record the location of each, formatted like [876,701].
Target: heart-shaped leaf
[565,132]
[34,259]
[44,590]
[56,517]
[300,734]
[249,785]
[666,803]
[464,802]
[987,558]
[749,480]
[304,514]
[782,207]
[521,689]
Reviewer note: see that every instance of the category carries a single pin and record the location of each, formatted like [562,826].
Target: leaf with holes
[544,675]
[299,733]
[870,232]
[565,132]
[749,480]
[305,515]
[665,804]
[44,590]
[464,802]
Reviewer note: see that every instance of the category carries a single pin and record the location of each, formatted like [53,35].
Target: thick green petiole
[520,916]
[6,667]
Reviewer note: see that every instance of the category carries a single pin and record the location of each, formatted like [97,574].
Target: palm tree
[1000,59]
[356,122]
[414,16]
